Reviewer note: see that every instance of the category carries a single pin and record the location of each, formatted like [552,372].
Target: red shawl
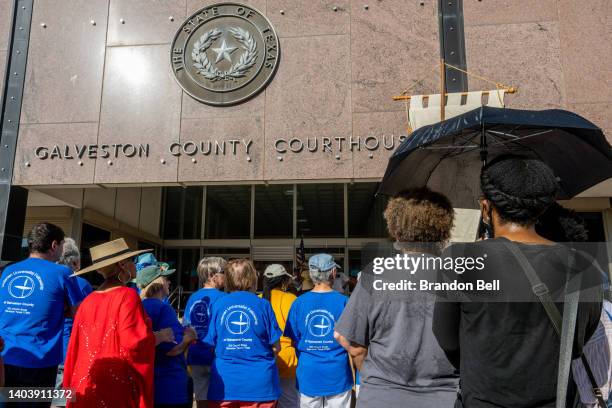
[111,352]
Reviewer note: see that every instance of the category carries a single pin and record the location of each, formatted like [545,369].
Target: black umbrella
[448,156]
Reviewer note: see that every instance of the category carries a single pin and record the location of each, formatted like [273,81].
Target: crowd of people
[120,346]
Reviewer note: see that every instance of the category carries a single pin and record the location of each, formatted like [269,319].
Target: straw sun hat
[109,253]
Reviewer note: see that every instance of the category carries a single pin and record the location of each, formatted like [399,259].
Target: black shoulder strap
[564,326]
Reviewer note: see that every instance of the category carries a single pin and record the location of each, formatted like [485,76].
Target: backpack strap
[565,326]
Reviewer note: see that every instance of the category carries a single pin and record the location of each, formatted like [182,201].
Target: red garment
[111,352]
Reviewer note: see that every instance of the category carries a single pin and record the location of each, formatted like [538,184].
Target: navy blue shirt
[170,382]
[33,294]
[85,289]
[243,330]
[197,315]
[323,365]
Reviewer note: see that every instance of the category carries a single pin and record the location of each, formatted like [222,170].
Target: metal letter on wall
[452,43]
[13,199]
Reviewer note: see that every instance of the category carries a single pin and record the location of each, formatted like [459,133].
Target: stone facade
[99,74]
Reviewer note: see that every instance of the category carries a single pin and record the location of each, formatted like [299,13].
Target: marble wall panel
[65,62]
[387,128]
[193,109]
[62,169]
[141,104]
[598,113]
[133,22]
[296,18]
[586,50]
[524,55]
[195,5]
[6,16]
[394,45]
[309,98]
[2,68]
[222,145]
[476,12]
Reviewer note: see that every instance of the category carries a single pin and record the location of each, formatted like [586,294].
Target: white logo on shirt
[319,325]
[21,287]
[199,312]
[237,322]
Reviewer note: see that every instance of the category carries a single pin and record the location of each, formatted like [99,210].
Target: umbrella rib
[521,138]
[448,147]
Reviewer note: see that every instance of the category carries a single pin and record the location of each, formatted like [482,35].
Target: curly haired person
[389,334]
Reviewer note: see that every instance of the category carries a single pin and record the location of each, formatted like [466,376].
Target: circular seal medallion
[224,53]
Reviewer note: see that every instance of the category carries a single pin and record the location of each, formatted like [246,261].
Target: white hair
[70,252]
[318,276]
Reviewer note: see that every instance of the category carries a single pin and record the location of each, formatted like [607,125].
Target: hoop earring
[121,280]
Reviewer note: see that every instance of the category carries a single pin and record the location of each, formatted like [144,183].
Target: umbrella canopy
[448,156]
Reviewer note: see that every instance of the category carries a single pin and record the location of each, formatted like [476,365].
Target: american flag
[300,256]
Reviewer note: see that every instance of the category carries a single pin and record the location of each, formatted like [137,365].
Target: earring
[121,280]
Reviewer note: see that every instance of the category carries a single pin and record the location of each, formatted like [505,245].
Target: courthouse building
[235,129]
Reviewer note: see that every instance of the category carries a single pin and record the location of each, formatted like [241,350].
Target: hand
[189,335]
[164,336]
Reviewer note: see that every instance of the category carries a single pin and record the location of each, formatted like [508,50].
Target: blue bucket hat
[322,263]
[148,259]
[148,269]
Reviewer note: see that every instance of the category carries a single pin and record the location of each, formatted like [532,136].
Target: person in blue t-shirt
[197,315]
[71,257]
[324,375]
[245,335]
[171,383]
[33,297]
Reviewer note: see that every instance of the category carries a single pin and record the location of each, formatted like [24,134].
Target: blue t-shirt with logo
[242,331]
[170,380]
[323,365]
[33,294]
[197,315]
[85,289]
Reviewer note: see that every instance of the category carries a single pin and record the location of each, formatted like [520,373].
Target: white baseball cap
[275,271]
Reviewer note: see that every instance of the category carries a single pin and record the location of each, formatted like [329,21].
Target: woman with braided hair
[502,341]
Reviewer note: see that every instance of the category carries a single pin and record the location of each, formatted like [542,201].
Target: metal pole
[13,199]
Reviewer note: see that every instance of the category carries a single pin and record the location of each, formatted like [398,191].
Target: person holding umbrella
[504,343]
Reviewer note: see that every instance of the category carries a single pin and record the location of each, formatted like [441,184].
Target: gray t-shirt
[404,366]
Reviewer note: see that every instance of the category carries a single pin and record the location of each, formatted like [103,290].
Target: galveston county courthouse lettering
[334,145]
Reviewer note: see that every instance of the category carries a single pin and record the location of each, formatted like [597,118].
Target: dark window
[182,216]
[228,212]
[320,210]
[274,211]
[365,211]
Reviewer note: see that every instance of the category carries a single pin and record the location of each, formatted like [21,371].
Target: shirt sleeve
[291,328]
[274,332]
[72,291]
[354,322]
[85,287]
[167,318]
